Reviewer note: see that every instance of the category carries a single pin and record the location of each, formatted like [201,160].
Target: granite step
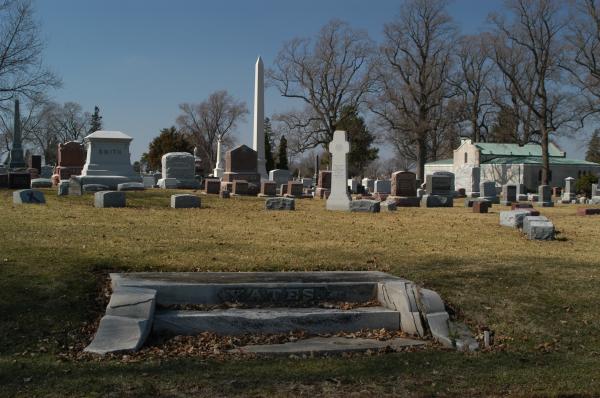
[275,320]
[293,289]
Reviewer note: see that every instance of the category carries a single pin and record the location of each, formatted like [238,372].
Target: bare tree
[21,68]
[215,117]
[529,48]
[471,81]
[413,77]
[326,74]
[584,43]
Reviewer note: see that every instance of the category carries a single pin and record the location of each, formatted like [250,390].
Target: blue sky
[138,59]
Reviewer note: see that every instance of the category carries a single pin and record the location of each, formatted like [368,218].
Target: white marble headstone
[339,148]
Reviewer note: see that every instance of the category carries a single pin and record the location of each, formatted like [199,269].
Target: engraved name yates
[262,294]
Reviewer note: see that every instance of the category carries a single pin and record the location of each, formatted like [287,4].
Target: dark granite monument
[241,163]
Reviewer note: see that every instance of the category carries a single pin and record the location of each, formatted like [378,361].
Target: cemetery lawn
[540,298]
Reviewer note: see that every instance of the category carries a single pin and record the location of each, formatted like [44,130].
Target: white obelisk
[218,170]
[258,141]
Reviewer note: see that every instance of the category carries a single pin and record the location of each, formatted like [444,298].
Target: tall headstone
[439,184]
[404,184]
[323,184]
[71,159]
[316,176]
[108,161]
[258,140]
[570,192]
[218,170]
[339,148]
[545,196]
[16,159]
[180,166]
[280,176]
[595,190]
[241,164]
[487,191]
[509,194]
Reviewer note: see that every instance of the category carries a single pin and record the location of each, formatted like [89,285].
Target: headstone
[449,175]
[185,201]
[515,206]
[513,218]
[19,180]
[383,186]
[131,186]
[168,183]
[541,230]
[369,184]
[280,204]
[258,136]
[439,184]
[388,205]
[212,185]
[35,162]
[307,182]
[108,160]
[570,192]
[487,191]
[268,188]
[41,183]
[71,159]
[148,181]
[437,201]
[529,219]
[323,184]
[295,189]
[181,167]
[28,196]
[480,206]
[63,188]
[521,189]
[104,199]
[365,206]
[16,160]
[218,170]
[283,189]
[47,171]
[545,196]
[224,194]
[582,211]
[595,190]
[353,185]
[404,183]
[239,187]
[280,176]
[339,148]
[509,194]
[241,164]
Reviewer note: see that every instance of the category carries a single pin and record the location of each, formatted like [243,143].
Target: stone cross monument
[16,160]
[339,148]
[258,140]
[218,170]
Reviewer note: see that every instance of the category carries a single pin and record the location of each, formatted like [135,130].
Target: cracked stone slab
[329,345]
[400,297]
[540,230]
[118,334]
[513,218]
[132,302]
[529,219]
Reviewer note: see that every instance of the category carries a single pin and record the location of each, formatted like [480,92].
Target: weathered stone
[383,187]
[63,188]
[185,201]
[403,201]
[515,206]
[295,188]
[388,206]
[131,186]
[280,204]
[369,184]
[439,185]
[437,201]
[529,219]
[402,296]
[181,167]
[487,191]
[509,194]
[276,320]
[41,183]
[28,196]
[365,206]
[224,194]
[513,218]
[105,199]
[338,197]
[241,163]
[545,196]
[540,230]
[119,334]
[148,181]
[481,206]
[268,188]
[239,187]
[132,302]
[212,185]
[94,188]
[280,176]
[587,211]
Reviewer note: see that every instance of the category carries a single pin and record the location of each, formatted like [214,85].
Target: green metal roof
[516,149]
[538,160]
[443,161]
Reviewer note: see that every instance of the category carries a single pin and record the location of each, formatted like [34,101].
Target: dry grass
[540,298]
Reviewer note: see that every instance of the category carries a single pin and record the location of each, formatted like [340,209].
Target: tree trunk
[545,157]
[421,158]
